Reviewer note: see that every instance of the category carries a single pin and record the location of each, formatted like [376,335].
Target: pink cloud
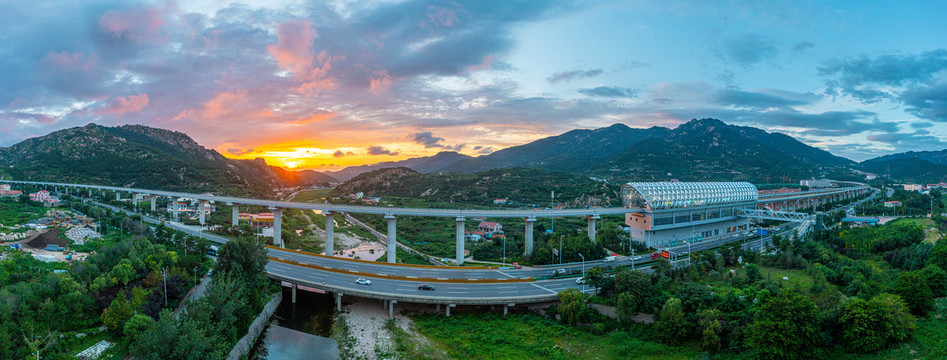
[70,61]
[441,16]
[141,24]
[314,118]
[293,49]
[380,81]
[222,104]
[485,64]
[121,105]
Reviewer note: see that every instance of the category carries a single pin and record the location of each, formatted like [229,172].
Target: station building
[669,213]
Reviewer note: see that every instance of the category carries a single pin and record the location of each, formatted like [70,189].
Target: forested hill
[523,186]
[139,156]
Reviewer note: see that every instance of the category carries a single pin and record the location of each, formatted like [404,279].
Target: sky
[328,84]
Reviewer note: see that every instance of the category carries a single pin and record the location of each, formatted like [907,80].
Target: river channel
[300,330]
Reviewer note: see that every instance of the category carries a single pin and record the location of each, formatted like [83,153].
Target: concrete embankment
[246,342]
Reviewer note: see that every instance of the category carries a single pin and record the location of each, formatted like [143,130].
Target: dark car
[425,287]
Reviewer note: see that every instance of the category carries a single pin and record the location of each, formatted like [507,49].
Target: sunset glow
[325,85]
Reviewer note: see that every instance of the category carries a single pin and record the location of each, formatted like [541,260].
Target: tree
[596,277]
[753,273]
[627,305]
[672,326]
[136,325]
[710,335]
[117,313]
[123,272]
[936,279]
[939,254]
[661,267]
[869,326]
[917,294]
[244,260]
[572,307]
[786,327]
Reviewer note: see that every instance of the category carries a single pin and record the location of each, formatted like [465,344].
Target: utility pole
[583,271]
[560,249]
[164,274]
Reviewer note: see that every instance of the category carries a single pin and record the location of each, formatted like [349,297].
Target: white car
[580,281]
[609,258]
[363,281]
[637,257]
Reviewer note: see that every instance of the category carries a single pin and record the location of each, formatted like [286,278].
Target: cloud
[876,78]
[378,150]
[748,50]
[138,23]
[919,140]
[609,91]
[483,150]
[430,141]
[565,76]
[927,102]
[761,99]
[921,125]
[339,153]
[238,151]
[802,46]
[121,105]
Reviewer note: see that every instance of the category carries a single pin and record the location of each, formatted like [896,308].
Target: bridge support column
[506,308]
[460,244]
[90,193]
[438,307]
[154,203]
[448,308]
[392,238]
[174,209]
[294,293]
[338,301]
[235,216]
[278,227]
[528,248]
[118,196]
[201,207]
[330,232]
[592,226]
[391,308]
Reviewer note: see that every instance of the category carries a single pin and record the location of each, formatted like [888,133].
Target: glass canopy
[670,195]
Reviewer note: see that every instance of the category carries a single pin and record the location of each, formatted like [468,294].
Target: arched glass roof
[669,195]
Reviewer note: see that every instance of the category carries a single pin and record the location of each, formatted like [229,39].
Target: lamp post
[504,251]
[632,259]
[560,249]
[195,275]
[583,271]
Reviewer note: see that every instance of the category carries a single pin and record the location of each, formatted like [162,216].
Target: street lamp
[195,275]
[504,251]
[583,271]
[560,249]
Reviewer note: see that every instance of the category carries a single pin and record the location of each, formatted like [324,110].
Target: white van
[609,258]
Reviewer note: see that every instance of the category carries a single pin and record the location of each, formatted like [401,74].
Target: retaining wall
[246,342]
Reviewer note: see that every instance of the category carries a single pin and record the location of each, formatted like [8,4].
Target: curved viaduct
[398,282]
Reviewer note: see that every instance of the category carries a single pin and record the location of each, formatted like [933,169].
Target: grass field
[796,277]
[311,195]
[926,223]
[526,336]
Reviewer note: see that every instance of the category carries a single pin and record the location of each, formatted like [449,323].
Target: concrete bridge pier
[118,196]
[330,232]
[294,293]
[201,208]
[460,243]
[506,308]
[154,203]
[528,248]
[278,227]
[338,301]
[392,238]
[174,208]
[592,226]
[391,308]
[448,308]
[235,216]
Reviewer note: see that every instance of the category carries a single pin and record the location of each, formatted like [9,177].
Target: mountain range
[699,150]
[141,156]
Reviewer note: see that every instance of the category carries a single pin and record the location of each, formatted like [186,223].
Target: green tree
[709,322]
[117,313]
[627,305]
[869,326]
[244,260]
[786,327]
[572,306]
[936,279]
[753,273]
[917,294]
[661,267]
[939,254]
[672,326]
[123,272]
[136,325]
[596,277]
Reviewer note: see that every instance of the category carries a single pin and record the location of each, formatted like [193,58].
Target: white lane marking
[456,292]
[541,287]
[505,274]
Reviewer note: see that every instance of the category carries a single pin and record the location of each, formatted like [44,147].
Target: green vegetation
[526,336]
[19,211]
[121,279]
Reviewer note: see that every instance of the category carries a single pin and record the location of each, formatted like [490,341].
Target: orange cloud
[314,118]
[293,49]
[121,105]
[222,104]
